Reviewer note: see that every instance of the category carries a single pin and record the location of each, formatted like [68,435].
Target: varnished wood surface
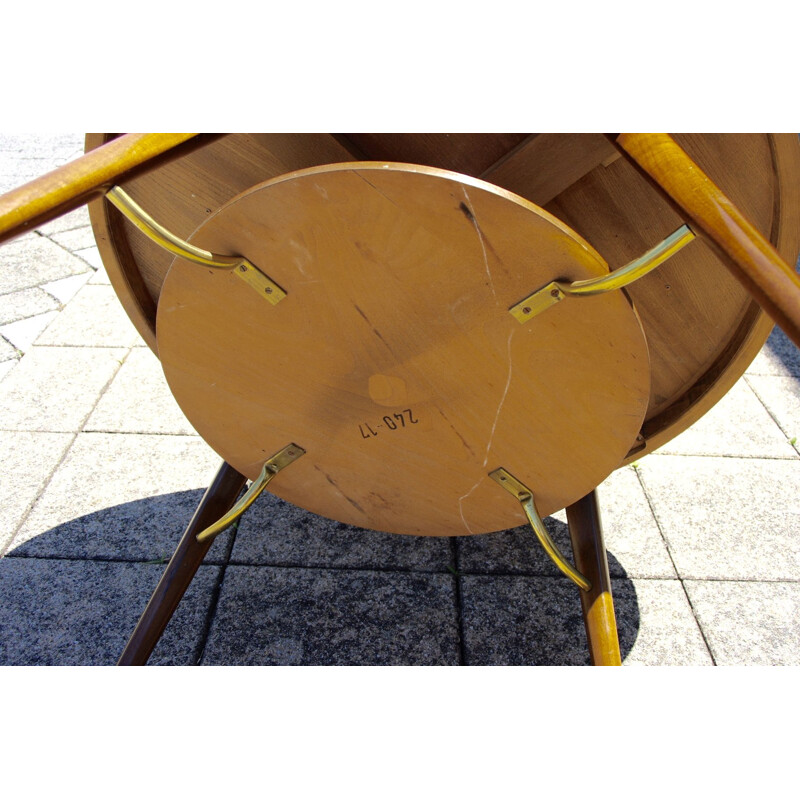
[468,153]
[546,164]
[690,306]
[702,326]
[393,361]
[73,184]
[182,567]
[589,551]
[182,195]
[743,249]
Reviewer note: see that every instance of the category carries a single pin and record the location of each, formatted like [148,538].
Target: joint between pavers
[11,344]
[138,433]
[350,568]
[105,388]
[45,483]
[200,650]
[772,416]
[64,455]
[459,606]
[73,253]
[675,567]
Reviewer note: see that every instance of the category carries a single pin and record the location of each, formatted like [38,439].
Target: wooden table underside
[701,326]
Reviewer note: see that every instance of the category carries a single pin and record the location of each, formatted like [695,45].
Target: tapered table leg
[589,552]
[182,567]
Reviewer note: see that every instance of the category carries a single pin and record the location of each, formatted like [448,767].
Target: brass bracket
[556,291]
[273,465]
[525,497]
[240,266]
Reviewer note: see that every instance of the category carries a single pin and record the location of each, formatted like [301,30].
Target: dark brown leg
[589,552]
[183,565]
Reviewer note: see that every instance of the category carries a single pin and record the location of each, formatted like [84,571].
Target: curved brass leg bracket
[525,497]
[241,267]
[271,468]
[556,291]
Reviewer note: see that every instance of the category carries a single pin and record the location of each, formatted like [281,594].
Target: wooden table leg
[182,567]
[589,552]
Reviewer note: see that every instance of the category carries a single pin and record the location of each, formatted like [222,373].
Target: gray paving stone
[727,518]
[25,303]
[515,620]
[667,631]
[55,388]
[274,616]
[749,622]
[32,260]
[6,366]
[59,612]
[633,540]
[93,317]
[513,551]
[49,146]
[138,400]
[521,620]
[276,533]
[779,357]
[78,218]
[28,459]
[23,333]
[781,396]
[120,497]
[91,255]
[738,425]
[66,288]
[74,239]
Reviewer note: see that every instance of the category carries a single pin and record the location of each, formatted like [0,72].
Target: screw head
[526,310]
[554,292]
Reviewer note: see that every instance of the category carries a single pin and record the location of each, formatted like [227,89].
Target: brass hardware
[272,467]
[525,497]
[556,291]
[241,267]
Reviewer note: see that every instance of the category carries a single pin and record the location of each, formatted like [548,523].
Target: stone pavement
[101,473]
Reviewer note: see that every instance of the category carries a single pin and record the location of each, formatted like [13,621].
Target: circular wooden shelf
[393,360]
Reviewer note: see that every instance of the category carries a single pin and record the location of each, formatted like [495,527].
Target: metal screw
[268,290]
[242,268]
[526,310]
[554,293]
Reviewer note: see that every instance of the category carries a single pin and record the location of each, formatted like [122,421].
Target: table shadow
[315,592]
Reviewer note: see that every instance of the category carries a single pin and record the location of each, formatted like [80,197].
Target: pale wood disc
[393,360]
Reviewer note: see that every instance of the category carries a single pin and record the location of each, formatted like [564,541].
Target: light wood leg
[589,552]
[183,566]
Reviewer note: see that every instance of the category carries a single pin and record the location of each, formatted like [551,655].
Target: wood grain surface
[738,242]
[702,326]
[393,360]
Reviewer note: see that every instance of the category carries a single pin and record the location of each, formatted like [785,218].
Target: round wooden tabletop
[393,360]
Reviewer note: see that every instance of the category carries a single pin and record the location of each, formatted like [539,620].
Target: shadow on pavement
[291,588]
